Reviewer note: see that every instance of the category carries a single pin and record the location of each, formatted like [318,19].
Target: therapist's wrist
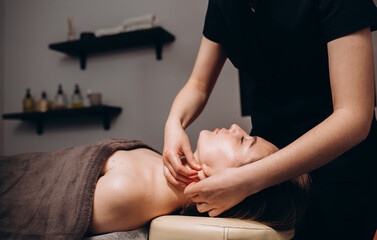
[250,180]
[173,122]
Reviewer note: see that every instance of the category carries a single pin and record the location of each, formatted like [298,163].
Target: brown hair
[281,206]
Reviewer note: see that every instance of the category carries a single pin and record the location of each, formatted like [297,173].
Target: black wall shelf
[156,37]
[39,117]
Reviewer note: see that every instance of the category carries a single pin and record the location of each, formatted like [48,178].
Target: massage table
[58,205]
[175,227]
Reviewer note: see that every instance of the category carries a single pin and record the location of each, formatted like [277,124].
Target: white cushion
[173,227]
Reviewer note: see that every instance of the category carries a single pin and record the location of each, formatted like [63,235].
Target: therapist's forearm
[334,136]
[187,106]
[193,97]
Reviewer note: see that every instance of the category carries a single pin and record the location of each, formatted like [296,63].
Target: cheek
[228,153]
[207,154]
[204,146]
[217,152]
[217,155]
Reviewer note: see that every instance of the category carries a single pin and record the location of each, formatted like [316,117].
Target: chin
[204,132]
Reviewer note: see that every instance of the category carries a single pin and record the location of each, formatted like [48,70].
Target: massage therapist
[311,66]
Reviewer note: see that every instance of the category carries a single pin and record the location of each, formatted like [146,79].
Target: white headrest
[172,227]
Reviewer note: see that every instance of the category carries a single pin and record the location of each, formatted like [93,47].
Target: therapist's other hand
[222,190]
[177,151]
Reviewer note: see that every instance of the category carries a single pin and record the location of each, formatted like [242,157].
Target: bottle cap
[28,95]
[60,89]
[77,89]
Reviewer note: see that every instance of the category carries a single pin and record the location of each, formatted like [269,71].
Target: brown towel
[50,195]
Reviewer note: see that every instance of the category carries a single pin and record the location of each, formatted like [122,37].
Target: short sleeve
[212,25]
[343,17]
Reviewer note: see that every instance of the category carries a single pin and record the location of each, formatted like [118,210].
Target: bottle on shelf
[87,98]
[77,100]
[28,102]
[43,104]
[60,99]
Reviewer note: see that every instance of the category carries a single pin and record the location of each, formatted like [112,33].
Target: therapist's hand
[222,190]
[177,151]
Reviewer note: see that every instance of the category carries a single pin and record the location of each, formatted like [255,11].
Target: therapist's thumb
[190,190]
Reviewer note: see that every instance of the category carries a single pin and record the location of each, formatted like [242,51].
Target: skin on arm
[186,107]
[352,86]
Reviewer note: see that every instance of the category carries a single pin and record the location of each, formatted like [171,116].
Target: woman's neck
[170,196]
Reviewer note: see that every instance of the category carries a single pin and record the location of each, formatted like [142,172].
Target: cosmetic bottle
[87,98]
[77,100]
[43,104]
[28,102]
[60,99]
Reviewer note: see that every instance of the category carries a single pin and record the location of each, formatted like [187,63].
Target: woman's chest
[139,161]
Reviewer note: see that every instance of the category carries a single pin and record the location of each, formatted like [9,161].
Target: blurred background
[131,78]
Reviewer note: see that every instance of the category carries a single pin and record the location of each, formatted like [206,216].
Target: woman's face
[224,148]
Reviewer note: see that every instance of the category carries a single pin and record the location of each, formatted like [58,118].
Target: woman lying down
[119,185]
[132,189]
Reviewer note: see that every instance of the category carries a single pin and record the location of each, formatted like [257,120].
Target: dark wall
[1,74]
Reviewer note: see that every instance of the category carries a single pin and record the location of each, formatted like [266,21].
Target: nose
[235,129]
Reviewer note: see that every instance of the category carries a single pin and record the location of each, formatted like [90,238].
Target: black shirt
[283,47]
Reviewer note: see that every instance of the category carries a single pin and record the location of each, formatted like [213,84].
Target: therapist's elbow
[363,123]
[356,122]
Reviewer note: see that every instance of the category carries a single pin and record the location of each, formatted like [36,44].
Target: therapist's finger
[190,158]
[192,189]
[171,179]
[207,170]
[178,177]
[198,199]
[178,167]
[203,207]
